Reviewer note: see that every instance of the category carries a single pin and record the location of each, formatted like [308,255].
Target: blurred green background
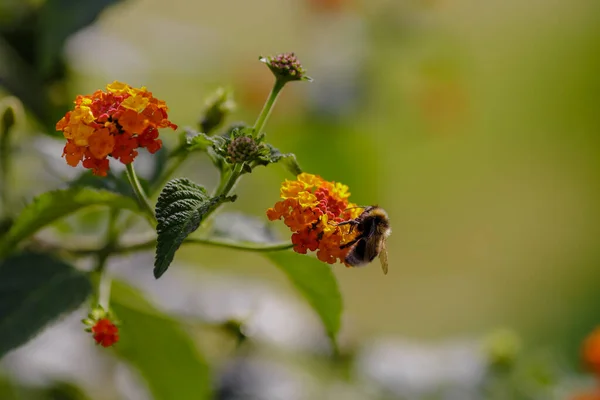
[474,124]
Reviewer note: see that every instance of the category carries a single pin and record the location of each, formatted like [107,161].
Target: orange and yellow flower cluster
[112,123]
[311,208]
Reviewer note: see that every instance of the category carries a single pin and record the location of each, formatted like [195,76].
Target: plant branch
[266,110]
[140,194]
[151,243]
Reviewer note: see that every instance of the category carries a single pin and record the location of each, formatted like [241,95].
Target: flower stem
[139,192]
[151,243]
[266,110]
[230,244]
[7,122]
[231,181]
[104,290]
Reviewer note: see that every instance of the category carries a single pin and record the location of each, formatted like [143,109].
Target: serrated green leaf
[198,141]
[34,290]
[214,146]
[316,282]
[180,208]
[158,348]
[272,155]
[51,206]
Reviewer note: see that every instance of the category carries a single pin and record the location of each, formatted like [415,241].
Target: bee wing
[383,257]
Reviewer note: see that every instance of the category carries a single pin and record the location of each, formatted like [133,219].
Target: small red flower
[105,332]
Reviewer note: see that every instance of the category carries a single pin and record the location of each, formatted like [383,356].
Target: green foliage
[34,290]
[159,348]
[198,141]
[51,206]
[180,208]
[201,142]
[316,282]
[74,15]
[219,148]
[32,48]
[271,155]
[111,182]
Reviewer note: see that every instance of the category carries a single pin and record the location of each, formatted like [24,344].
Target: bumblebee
[373,228]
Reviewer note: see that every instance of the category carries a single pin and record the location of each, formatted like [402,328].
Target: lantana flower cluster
[311,208]
[112,123]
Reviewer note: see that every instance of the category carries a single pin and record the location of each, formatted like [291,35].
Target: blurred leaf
[159,348]
[111,182]
[20,79]
[64,391]
[34,290]
[316,282]
[160,158]
[51,206]
[242,228]
[180,208]
[59,19]
[7,390]
[197,141]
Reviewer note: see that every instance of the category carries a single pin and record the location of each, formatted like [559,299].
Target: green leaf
[111,182]
[160,159]
[212,145]
[74,15]
[197,141]
[181,206]
[158,348]
[34,290]
[51,206]
[272,155]
[316,282]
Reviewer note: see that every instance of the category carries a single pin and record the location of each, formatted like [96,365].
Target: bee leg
[351,222]
[350,243]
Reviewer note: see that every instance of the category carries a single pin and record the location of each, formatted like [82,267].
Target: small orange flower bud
[105,332]
[103,326]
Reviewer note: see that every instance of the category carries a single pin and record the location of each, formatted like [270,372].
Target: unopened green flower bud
[286,67]
[241,149]
[218,106]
